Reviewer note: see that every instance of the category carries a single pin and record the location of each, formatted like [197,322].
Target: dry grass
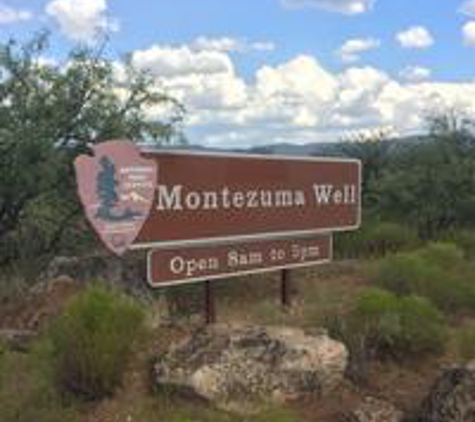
[317,294]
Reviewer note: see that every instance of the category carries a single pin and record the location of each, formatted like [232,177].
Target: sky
[258,72]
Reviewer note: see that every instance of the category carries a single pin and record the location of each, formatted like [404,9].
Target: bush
[404,273]
[27,390]
[388,237]
[93,341]
[465,342]
[438,272]
[375,240]
[398,326]
[445,256]
[464,239]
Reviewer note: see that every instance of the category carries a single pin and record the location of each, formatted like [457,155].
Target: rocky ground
[388,392]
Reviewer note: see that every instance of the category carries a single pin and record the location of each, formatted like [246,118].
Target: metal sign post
[285,298]
[210,304]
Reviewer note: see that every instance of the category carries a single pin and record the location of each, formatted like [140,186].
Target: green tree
[432,184]
[374,151]
[48,115]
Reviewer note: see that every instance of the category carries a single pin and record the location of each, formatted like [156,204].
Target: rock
[375,410]
[452,397]
[243,368]
[87,268]
[60,283]
[17,340]
[127,272]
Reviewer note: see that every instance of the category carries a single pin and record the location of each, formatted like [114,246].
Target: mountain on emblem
[116,187]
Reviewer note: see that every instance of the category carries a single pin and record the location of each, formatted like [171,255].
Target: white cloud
[202,79]
[416,37]
[296,101]
[263,46]
[348,7]
[182,61]
[468,32]
[350,51]
[415,73]
[10,15]
[468,8]
[218,44]
[82,20]
[227,44]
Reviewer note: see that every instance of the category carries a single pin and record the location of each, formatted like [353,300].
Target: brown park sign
[204,198]
[176,265]
[159,199]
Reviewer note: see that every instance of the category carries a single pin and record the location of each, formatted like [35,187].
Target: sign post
[210,304]
[285,299]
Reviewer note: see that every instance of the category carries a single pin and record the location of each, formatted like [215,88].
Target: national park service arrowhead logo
[116,187]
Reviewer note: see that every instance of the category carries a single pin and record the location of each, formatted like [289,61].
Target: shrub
[12,286]
[465,342]
[423,327]
[93,341]
[375,240]
[388,237]
[404,273]
[464,239]
[27,390]
[438,272]
[446,256]
[398,326]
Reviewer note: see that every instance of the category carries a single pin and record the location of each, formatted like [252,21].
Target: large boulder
[242,368]
[452,397]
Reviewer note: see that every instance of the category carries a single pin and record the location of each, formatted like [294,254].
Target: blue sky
[261,71]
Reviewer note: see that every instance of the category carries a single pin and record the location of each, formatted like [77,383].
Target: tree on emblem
[106,190]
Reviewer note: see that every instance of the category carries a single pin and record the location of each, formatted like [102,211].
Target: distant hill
[311,149]
[327,148]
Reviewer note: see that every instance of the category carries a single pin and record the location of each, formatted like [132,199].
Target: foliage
[27,391]
[438,272]
[465,342]
[464,239]
[425,181]
[11,287]
[404,273]
[431,184]
[375,239]
[48,115]
[400,327]
[443,255]
[374,152]
[93,341]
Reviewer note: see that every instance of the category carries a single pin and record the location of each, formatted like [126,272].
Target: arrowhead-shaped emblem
[116,187]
